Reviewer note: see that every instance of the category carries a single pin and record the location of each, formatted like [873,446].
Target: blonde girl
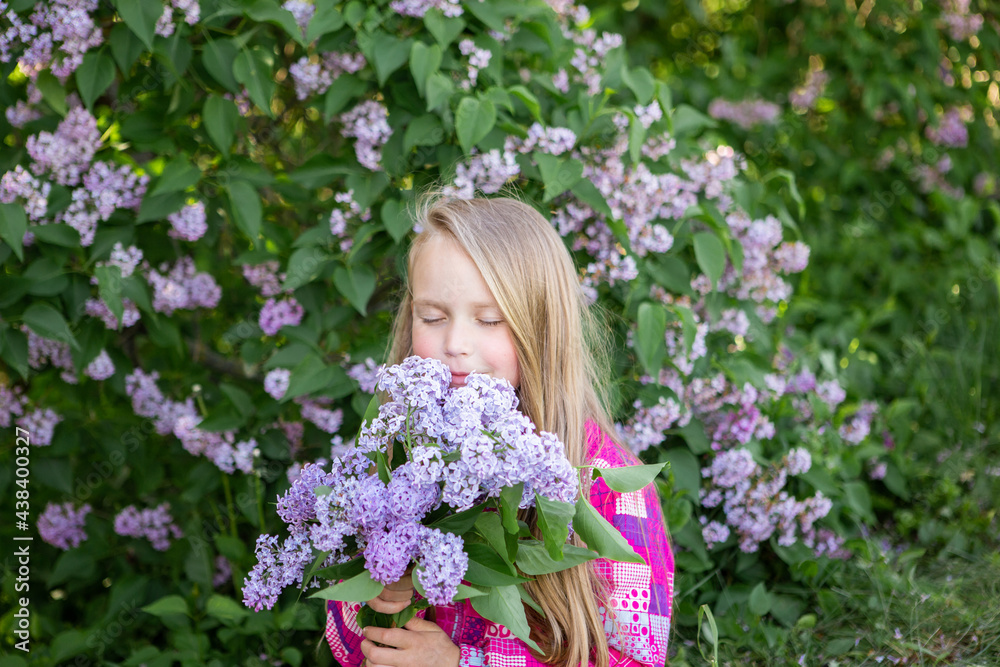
[492,289]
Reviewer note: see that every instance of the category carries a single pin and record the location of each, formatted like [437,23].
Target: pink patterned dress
[640,595]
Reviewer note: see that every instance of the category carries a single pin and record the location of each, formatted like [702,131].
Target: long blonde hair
[532,277]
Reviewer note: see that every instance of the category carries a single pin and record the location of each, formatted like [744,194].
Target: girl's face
[456,320]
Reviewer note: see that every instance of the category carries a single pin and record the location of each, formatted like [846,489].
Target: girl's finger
[417,624]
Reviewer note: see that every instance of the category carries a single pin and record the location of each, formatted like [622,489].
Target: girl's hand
[419,643]
[394,597]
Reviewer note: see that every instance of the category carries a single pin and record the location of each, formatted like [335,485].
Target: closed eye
[431,320]
[491,323]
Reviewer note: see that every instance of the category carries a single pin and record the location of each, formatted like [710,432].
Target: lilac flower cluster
[341,215]
[154,524]
[101,368]
[755,504]
[746,113]
[365,374]
[590,52]
[276,382]
[277,314]
[951,131]
[960,24]
[189,8]
[62,525]
[127,260]
[189,223]
[327,420]
[649,425]
[805,96]
[223,571]
[495,444]
[19,186]
[12,402]
[551,140]
[478,59]
[314,75]
[302,11]
[65,25]
[418,8]
[483,172]
[182,287]
[265,277]
[67,153]
[368,123]
[41,423]
[858,426]
[42,350]
[23,112]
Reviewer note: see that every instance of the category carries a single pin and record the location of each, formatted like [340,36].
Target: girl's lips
[458,379]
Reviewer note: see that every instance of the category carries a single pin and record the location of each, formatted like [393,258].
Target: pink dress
[640,595]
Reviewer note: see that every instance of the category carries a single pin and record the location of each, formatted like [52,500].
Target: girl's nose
[457,341]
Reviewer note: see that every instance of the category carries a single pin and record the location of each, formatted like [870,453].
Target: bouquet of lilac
[435,482]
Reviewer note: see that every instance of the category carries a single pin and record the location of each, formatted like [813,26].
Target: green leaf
[474,119]
[359,588]
[61,234]
[345,88]
[160,206]
[588,193]
[49,323]
[313,375]
[75,563]
[488,568]
[687,120]
[178,175]
[641,82]
[439,90]
[650,344]
[396,220]
[760,600]
[424,130]
[141,17]
[326,20]
[510,500]
[14,350]
[389,53]
[466,592]
[109,286]
[247,209]
[270,11]
[687,472]
[529,100]
[356,284]
[226,609]
[460,522]
[600,535]
[553,520]
[629,478]
[253,70]
[534,559]
[218,56]
[503,605]
[558,174]
[125,47]
[424,61]
[220,420]
[93,76]
[67,644]
[239,398]
[53,92]
[710,254]
[220,117]
[304,266]
[444,29]
[13,225]
[351,568]
[169,605]
[636,138]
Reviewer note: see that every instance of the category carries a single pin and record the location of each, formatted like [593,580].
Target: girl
[492,289]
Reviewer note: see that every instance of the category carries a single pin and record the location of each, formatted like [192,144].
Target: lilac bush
[202,213]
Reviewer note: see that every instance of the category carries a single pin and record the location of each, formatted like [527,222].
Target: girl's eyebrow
[443,304]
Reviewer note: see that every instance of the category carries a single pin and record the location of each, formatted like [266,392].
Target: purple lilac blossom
[182,287]
[20,187]
[857,427]
[443,563]
[805,96]
[483,172]
[97,308]
[368,124]
[950,132]
[154,524]
[365,374]
[223,572]
[101,368]
[42,350]
[277,314]
[302,12]
[960,24]
[12,402]
[41,424]
[276,382]
[265,277]
[68,152]
[62,526]
[746,113]
[418,8]
[831,393]
[328,421]
[189,223]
